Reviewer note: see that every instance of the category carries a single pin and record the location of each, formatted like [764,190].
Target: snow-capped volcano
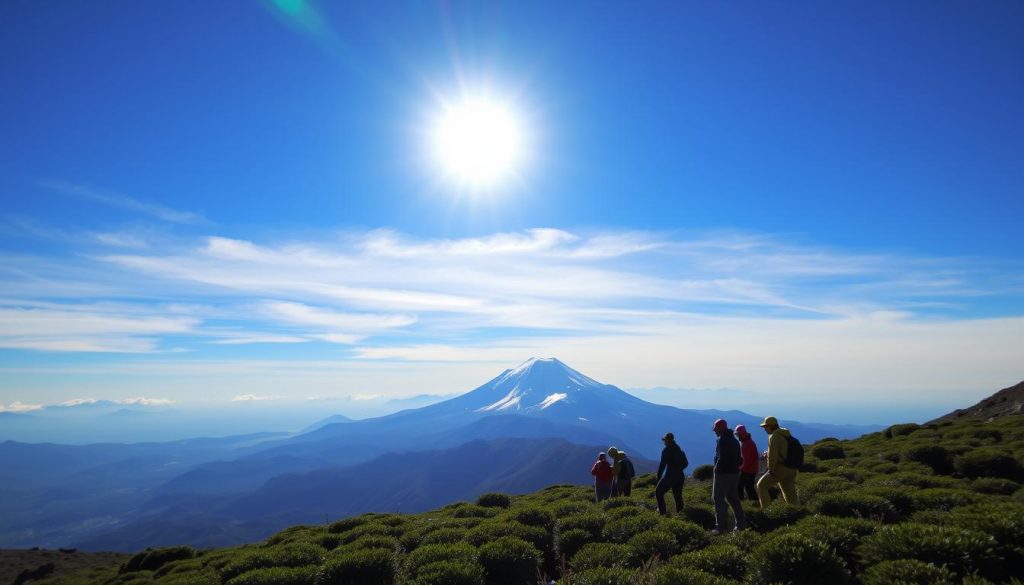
[537,383]
[546,387]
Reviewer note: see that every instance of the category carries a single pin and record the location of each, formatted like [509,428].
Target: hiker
[726,477]
[626,474]
[602,473]
[671,474]
[778,473]
[749,466]
[616,458]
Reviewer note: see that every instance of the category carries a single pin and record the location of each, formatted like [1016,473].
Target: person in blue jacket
[726,478]
[671,474]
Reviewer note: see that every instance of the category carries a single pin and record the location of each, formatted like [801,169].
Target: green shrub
[444,535]
[571,508]
[961,551]
[373,541]
[372,566]
[183,566]
[450,573]
[204,577]
[650,543]
[459,552]
[346,524]
[493,530]
[153,559]
[989,462]
[823,484]
[568,542]
[842,540]
[509,561]
[908,572]
[602,554]
[995,486]
[936,457]
[614,503]
[703,472]
[676,575]
[776,515]
[327,540]
[724,560]
[900,430]
[828,450]
[702,515]
[621,530]
[858,526]
[276,576]
[910,479]
[688,535]
[856,504]
[494,500]
[794,558]
[590,521]
[942,498]
[538,517]
[367,529]
[297,554]
[604,576]
[473,511]
[901,498]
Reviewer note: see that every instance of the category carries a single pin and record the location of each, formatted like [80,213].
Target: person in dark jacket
[602,472]
[671,474]
[726,478]
[626,474]
[750,464]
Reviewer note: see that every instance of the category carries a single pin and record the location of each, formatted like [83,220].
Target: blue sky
[817,202]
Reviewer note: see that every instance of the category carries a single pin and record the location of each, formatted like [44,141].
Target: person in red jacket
[602,472]
[750,463]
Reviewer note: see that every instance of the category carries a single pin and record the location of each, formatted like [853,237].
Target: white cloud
[19,407]
[249,339]
[123,202]
[79,402]
[251,398]
[143,401]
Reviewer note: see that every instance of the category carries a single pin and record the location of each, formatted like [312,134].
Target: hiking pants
[665,485]
[602,489]
[746,486]
[625,487]
[724,490]
[783,477]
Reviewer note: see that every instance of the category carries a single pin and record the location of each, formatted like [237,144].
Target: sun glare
[478,142]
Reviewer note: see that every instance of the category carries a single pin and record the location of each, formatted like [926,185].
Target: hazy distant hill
[1005,402]
[398,482]
[138,495]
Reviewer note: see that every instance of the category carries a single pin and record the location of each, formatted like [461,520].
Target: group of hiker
[737,463]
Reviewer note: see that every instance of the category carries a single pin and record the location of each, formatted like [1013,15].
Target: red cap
[720,425]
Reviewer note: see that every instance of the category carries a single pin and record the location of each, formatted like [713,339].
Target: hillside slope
[1008,401]
[936,503]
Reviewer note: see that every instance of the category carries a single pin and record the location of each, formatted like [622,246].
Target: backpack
[794,453]
[627,471]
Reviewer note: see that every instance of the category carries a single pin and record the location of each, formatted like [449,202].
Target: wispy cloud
[120,201]
[711,309]
[86,328]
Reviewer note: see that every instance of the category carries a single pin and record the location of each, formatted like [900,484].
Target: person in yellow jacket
[778,473]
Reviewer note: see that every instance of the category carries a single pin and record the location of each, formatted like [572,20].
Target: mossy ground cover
[913,504]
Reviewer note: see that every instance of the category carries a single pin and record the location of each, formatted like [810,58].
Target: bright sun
[478,142]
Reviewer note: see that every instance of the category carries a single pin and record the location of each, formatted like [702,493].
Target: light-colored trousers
[783,477]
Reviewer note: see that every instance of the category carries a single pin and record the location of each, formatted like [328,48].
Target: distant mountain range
[530,426]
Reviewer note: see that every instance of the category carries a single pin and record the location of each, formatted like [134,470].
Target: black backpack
[794,453]
[627,471]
